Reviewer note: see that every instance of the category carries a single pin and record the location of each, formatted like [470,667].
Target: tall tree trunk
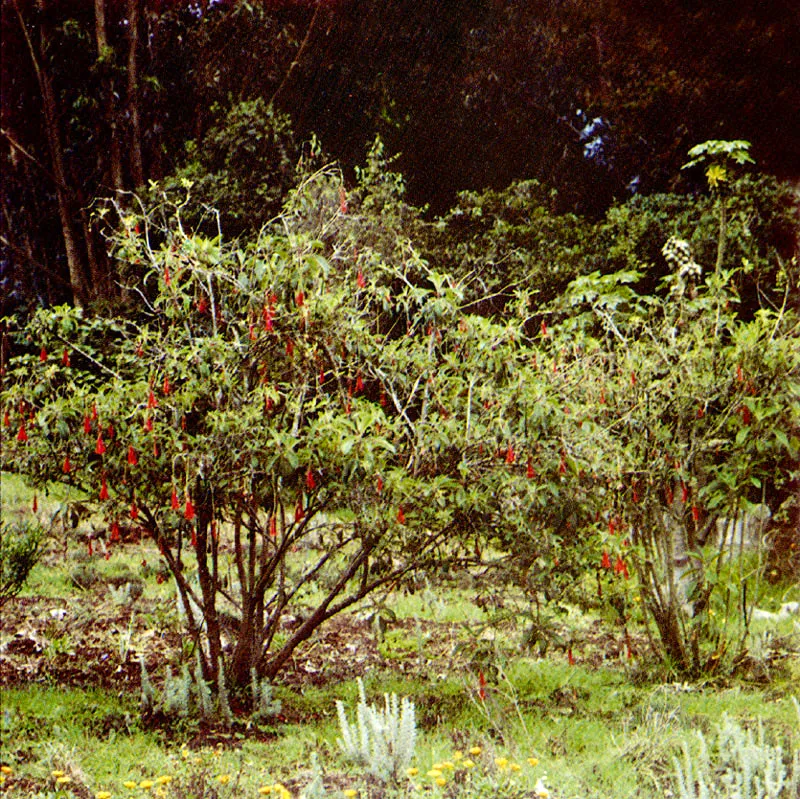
[77,272]
[109,111]
[134,99]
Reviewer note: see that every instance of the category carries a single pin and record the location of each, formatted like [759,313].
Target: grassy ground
[604,726]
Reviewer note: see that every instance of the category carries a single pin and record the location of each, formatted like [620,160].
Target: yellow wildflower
[435,772]
[412,772]
[5,769]
[469,763]
[224,779]
[475,750]
[57,773]
[448,765]
[350,792]
[265,789]
[2,778]
[457,755]
[146,784]
[533,761]
[515,766]
[130,784]
[441,781]
[63,779]
[164,779]
[103,795]
[501,762]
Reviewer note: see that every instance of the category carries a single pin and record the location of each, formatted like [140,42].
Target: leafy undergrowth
[575,713]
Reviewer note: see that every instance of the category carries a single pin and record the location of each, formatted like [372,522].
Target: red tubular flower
[633,378]
[342,200]
[289,347]
[695,513]
[132,458]
[188,512]
[152,402]
[194,537]
[103,489]
[35,504]
[299,513]
[739,373]
[251,333]
[165,389]
[511,456]
[300,299]
[134,511]
[570,658]
[700,412]
[361,280]
[22,435]
[273,526]
[67,467]
[167,276]
[379,484]
[544,329]
[89,547]
[481,686]
[619,566]
[148,424]
[311,483]
[100,447]
[669,496]
[605,562]
[746,415]
[684,493]
[530,472]
[359,384]
[6,419]
[65,357]
[43,355]
[401,516]
[175,504]
[562,466]
[115,532]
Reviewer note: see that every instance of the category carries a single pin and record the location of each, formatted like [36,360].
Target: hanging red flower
[299,513]
[174,500]
[115,532]
[321,376]
[67,467]
[165,389]
[300,299]
[544,329]
[342,200]
[134,511]
[379,484]
[43,355]
[89,547]
[148,424]
[110,431]
[511,456]
[359,384]
[739,373]
[188,512]
[481,686]
[194,538]
[22,435]
[570,658]
[530,472]
[361,281]
[619,566]
[684,492]
[700,412]
[401,516]
[633,378]
[612,526]
[35,504]
[99,447]
[746,415]
[562,466]
[202,305]
[6,419]
[605,562]
[251,332]
[311,483]
[273,526]
[155,449]
[152,402]
[668,495]
[167,276]
[289,347]
[695,513]
[103,489]
[65,357]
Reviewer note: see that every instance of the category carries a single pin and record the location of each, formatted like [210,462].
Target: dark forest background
[596,100]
